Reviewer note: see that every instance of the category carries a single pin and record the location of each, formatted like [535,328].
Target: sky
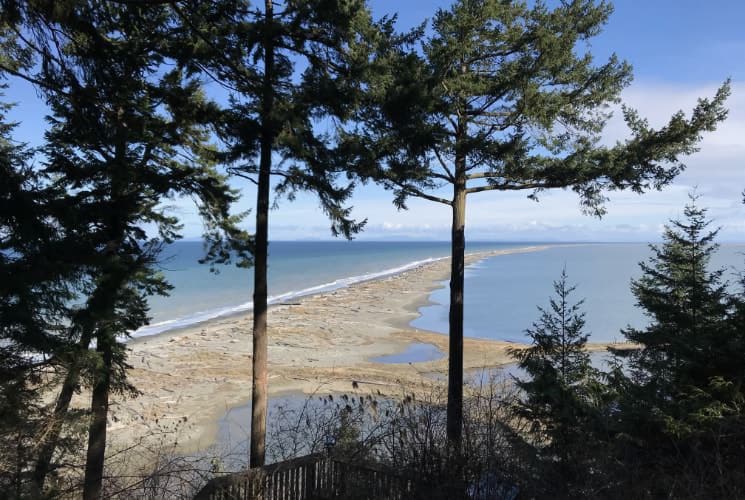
[680,50]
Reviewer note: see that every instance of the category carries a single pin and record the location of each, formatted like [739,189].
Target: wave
[201,316]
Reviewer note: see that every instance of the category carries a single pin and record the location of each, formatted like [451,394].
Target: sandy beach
[190,377]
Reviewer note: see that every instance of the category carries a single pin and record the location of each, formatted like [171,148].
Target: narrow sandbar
[326,341]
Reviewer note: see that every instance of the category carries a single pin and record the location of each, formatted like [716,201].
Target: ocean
[501,293]
[295,269]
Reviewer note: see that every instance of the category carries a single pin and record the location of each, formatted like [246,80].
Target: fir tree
[561,379]
[292,74]
[691,352]
[125,135]
[678,420]
[34,296]
[502,97]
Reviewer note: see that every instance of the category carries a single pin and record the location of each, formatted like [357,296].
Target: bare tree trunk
[94,463]
[99,300]
[259,389]
[49,445]
[457,273]
[455,360]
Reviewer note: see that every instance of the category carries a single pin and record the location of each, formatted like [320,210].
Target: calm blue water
[295,269]
[416,352]
[501,293]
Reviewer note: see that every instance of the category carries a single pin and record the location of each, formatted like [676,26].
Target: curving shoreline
[201,317]
[192,376]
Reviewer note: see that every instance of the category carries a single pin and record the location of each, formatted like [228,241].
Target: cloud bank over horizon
[716,173]
[681,50]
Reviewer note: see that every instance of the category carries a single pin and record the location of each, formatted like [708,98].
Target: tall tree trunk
[49,446]
[455,360]
[259,389]
[94,463]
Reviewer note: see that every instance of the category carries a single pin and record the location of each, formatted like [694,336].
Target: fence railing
[314,477]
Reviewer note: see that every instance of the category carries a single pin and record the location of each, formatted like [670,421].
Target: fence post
[311,480]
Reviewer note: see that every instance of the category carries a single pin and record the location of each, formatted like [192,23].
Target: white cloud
[719,166]
[717,171]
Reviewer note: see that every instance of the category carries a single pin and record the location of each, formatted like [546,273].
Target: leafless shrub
[153,468]
[407,434]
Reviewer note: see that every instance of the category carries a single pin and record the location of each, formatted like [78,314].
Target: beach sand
[322,343]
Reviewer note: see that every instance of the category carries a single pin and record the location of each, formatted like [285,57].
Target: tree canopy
[505,96]
[125,135]
[560,381]
[292,75]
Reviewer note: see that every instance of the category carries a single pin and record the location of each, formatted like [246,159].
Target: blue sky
[680,50]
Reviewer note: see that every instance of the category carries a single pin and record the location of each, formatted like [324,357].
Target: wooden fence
[315,477]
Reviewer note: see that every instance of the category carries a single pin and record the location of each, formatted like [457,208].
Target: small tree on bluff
[688,345]
[561,376]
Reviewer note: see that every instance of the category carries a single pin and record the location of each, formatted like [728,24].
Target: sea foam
[201,316]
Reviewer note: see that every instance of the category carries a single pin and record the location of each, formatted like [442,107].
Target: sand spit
[322,342]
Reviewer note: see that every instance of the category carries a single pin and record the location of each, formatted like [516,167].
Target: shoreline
[280,299]
[296,295]
[299,295]
[190,377]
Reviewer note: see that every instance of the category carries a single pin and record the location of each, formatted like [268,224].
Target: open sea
[501,292]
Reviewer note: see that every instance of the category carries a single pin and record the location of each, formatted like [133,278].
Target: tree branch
[236,69]
[238,173]
[412,191]
[482,175]
[420,194]
[442,176]
[449,174]
[34,81]
[512,187]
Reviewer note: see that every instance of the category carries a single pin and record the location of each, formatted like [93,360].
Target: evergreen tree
[125,135]
[690,343]
[679,417]
[502,97]
[33,303]
[292,75]
[561,379]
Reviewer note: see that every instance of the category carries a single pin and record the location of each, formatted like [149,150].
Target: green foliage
[667,419]
[34,295]
[291,74]
[690,353]
[123,138]
[562,384]
[126,134]
[505,96]
[678,419]
[292,105]
[32,286]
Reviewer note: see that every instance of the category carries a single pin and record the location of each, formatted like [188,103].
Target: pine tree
[34,295]
[292,75]
[690,343]
[125,134]
[502,97]
[561,379]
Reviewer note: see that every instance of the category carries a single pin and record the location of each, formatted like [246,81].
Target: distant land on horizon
[501,241]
